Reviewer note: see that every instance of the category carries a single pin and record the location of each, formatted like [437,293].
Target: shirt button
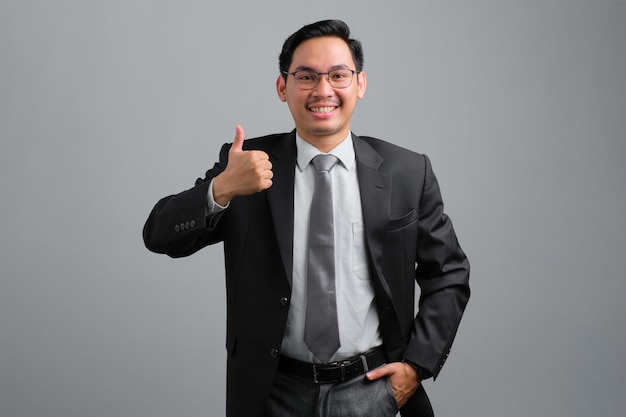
[284,300]
[274,353]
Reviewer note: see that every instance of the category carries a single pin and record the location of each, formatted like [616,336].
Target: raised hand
[247,172]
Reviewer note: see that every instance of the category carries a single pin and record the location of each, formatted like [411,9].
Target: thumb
[238,141]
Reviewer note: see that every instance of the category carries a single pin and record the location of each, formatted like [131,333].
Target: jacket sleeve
[442,274]
[178,224]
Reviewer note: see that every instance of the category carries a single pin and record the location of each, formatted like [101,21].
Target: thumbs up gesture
[247,172]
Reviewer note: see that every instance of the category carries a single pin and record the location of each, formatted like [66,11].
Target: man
[387,231]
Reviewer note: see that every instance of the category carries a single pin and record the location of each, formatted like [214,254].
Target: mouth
[322,111]
[325,109]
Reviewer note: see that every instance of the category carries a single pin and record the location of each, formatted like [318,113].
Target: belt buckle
[342,372]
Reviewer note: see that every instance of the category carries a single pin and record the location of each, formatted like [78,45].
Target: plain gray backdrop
[107,106]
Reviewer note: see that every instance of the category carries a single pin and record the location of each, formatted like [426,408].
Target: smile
[326,109]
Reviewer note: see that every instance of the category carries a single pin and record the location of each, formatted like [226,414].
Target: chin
[326,130]
[322,132]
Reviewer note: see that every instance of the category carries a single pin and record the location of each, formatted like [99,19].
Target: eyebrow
[334,67]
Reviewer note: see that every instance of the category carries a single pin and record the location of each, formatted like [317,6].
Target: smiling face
[322,115]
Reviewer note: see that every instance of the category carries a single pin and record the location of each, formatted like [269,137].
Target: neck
[325,143]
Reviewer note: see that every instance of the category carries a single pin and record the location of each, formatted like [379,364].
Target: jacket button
[177,228]
[274,353]
[193,223]
[284,300]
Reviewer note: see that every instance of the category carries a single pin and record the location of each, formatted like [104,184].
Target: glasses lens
[340,78]
[306,79]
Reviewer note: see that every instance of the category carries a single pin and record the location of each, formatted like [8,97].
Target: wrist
[422,373]
[220,195]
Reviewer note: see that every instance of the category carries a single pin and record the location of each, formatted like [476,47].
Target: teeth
[322,109]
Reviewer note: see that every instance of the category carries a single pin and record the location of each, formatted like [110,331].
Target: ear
[361,84]
[281,88]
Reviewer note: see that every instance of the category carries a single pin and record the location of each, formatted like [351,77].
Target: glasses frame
[319,77]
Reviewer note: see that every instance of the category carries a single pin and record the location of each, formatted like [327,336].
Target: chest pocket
[403,221]
[359,257]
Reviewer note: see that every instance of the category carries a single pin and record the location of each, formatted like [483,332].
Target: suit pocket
[403,221]
[399,251]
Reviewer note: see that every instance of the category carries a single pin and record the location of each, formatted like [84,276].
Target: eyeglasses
[308,80]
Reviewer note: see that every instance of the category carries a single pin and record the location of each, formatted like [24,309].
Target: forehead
[322,53]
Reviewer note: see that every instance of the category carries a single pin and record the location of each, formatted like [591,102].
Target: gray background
[107,106]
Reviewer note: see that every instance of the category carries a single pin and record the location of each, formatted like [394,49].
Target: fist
[247,172]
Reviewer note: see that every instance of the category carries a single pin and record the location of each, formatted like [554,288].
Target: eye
[340,75]
[306,76]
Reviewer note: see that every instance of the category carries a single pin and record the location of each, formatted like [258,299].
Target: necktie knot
[324,162]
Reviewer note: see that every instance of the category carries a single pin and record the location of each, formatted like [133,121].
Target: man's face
[322,115]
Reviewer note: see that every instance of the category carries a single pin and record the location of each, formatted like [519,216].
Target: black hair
[332,28]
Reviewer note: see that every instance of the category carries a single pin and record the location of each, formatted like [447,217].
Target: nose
[323,87]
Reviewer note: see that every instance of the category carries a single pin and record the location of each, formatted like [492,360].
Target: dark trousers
[294,396]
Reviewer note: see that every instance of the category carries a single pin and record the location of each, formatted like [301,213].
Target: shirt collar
[344,152]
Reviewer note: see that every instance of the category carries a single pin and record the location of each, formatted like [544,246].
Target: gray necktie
[321,331]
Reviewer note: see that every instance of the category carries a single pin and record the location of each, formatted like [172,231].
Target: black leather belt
[330,373]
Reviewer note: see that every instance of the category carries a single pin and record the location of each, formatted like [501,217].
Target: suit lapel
[375,188]
[280,197]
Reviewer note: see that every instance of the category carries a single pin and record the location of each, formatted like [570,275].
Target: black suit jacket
[409,240]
